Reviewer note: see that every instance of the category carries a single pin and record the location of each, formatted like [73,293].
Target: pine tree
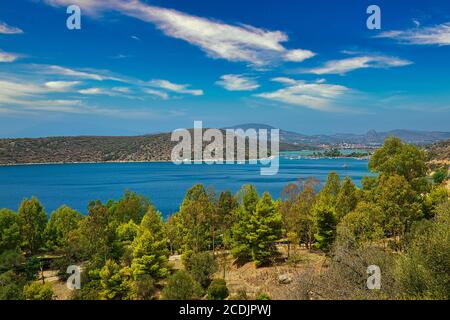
[346,199]
[239,242]
[32,222]
[329,193]
[267,227]
[258,225]
[149,248]
[325,222]
[194,219]
[114,282]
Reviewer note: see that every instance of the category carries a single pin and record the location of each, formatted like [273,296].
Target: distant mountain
[158,147]
[372,137]
[155,147]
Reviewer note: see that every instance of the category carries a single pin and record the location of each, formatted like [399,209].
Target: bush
[10,286]
[38,291]
[423,269]
[181,286]
[218,290]
[440,175]
[262,296]
[201,266]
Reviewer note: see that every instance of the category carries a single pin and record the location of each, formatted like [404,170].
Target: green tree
[115,282]
[305,206]
[181,286]
[9,230]
[218,290]
[347,198]
[194,219]
[32,222]
[38,291]
[174,236]
[96,236]
[440,175]
[329,193]
[267,227]
[438,195]
[11,286]
[201,266]
[400,204]
[125,235]
[423,269]
[289,216]
[62,221]
[238,241]
[130,207]
[325,223]
[259,224]
[225,207]
[149,248]
[405,160]
[362,226]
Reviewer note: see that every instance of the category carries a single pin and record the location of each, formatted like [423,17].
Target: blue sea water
[163,182]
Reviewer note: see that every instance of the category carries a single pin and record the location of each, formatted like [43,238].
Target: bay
[163,182]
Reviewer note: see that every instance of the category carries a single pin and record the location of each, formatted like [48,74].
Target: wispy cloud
[161,94]
[435,35]
[237,82]
[61,85]
[6,29]
[93,91]
[313,95]
[360,62]
[8,57]
[178,88]
[18,97]
[28,93]
[79,74]
[241,43]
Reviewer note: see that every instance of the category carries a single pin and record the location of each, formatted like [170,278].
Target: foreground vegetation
[398,220]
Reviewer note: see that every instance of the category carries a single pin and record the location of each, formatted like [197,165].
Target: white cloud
[61,85]
[8,57]
[242,43]
[178,88]
[435,35]
[80,74]
[121,89]
[92,91]
[27,93]
[312,95]
[298,55]
[237,82]
[161,94]
[360,62]
[6,29]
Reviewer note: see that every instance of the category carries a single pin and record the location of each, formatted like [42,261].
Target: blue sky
[145,66]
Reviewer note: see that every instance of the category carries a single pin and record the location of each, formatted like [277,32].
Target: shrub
[181,286]
[218,290]
[38,291]
[201,266]
[262,296]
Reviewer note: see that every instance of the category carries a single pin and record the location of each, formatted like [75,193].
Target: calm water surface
[164,183]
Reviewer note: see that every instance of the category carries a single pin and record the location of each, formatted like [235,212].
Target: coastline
[156,161]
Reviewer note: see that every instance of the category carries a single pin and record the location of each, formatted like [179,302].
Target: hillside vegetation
[157,147]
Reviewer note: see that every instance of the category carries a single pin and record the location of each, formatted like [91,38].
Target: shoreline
[156,161]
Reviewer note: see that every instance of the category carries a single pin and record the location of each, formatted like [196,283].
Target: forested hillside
[157,147]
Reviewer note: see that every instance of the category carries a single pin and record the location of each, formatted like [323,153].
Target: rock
[284,278]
